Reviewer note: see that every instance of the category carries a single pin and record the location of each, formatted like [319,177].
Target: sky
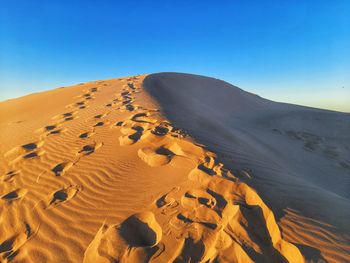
[289,51]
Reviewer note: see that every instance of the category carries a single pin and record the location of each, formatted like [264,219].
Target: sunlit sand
[171,168]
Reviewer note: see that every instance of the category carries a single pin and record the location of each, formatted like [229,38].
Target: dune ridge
[96,172]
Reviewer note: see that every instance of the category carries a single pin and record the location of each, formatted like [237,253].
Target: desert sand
[171,167]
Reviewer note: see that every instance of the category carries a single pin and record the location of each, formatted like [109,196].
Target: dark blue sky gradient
[294,51]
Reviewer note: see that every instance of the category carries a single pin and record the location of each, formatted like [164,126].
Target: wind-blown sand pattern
[97,172]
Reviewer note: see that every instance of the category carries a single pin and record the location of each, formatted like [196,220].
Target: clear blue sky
[294,51]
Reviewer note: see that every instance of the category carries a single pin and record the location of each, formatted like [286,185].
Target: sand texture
[163,168]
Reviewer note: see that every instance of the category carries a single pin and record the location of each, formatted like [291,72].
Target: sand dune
[298,158]
[162,168]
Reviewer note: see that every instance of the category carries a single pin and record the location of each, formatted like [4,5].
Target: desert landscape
[171,167]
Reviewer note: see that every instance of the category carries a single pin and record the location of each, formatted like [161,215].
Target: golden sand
[95,173]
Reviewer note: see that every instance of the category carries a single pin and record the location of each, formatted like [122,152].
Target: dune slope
[143,168]
[298,158]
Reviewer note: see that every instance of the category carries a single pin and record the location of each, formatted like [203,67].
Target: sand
[297,158]
[169,168]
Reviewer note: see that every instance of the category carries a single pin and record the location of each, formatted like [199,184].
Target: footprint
[90,148]
[33,155]
[9,175]
[61,168]
[93,90]
[161,155]
[140,235]
[125,102]
[168,205]
[14,195]
[188,220]
[101,123]
[32,146]
[136,131]
[99,116]
[69,118]
[127,99]
[10,248]
[141,230]
[65,116]
[206,170]
[208,166]
[63,195]
[86,135]
[16,152]
[131,86]
[143,118]
[178,133]
[140,117]
[125,93]
[80,103]
[156,157]
[130,107]
[50,127]
[160,130]
[59,131]
[194,198]
[29,146]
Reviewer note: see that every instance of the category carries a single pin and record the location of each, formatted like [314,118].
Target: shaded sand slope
[95,173]
[298,158]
